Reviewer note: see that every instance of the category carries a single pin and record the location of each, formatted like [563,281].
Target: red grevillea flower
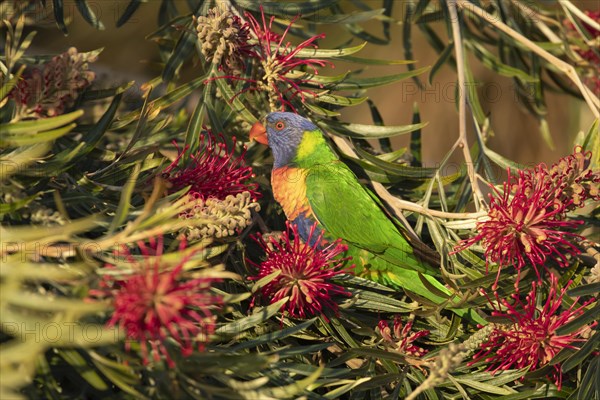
[305,272]
[526,224]
[214,171]
[279,61]
[531,341]
[47,91]
[156,302]
[402,338]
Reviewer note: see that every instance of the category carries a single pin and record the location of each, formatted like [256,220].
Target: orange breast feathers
[289,189]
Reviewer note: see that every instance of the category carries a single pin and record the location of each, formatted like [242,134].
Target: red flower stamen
[531,341]
[215,171]
[278,60]
[402,338]
[526,224]
[305,270]
[156,302]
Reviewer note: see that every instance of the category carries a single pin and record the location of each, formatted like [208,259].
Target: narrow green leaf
[365,83]
[415,139]
[588,316]
[360,131]
[358,31]
[291,390]
[336,393]
[379,354]
[59,15]
[590,384]
[99,129]
[354,17]
[24,234]
[104,93]
[39,125]
[484,387]
[340,100]
[291,9]
[271,337]
[441,61]
[84,370]
[321,111]
[236,105]
[417,173]
[492,62]
[131,8]
[6,208]
[162,102]
[503,162]
[88,14]
[329,53]
[182,51]
[590,289]
[8,86]
[259,316]
[546,135]
[17,160]
[592,344]
[374,61]
[122,210]
[42,137]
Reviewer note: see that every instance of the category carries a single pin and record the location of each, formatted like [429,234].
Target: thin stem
[591,99]
[410,206]
[462,104]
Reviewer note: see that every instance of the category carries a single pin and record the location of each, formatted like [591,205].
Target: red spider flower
[279,60]
[402,338]
[305,272]
[526,223]
[48,90]
[532,341]
[214,171]
[157,302]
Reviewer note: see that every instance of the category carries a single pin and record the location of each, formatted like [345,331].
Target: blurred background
[128,55]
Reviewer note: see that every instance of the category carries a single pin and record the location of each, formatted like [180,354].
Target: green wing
[346,210]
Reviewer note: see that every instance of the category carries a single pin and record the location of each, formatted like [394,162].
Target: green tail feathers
[380,269]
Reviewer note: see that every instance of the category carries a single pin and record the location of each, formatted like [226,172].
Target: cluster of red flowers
[527,220]
[305,271]
[278,60]
[156,301]
[216,171]
[402,338]
[528,224]
[531,339]
[47,91]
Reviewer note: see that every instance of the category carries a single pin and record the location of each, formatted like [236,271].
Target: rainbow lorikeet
[313,185]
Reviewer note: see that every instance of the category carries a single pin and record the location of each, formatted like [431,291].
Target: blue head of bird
[283,132]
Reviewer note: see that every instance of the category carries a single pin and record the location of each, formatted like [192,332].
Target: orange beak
[259,133]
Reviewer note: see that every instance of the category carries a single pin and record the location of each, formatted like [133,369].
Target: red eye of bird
[279,125]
